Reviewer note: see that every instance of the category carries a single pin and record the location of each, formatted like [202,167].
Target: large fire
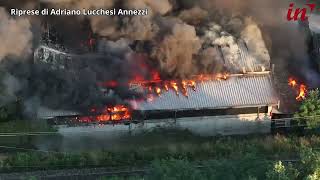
[158,86]
[301,89]
[109,114]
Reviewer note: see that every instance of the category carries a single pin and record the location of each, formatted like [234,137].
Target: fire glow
[177,86]
[302,92]
[158,86]
[109,114]
[153,87]
[292,82]
[301,89]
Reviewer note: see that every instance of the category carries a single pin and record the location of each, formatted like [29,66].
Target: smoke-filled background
[178,38]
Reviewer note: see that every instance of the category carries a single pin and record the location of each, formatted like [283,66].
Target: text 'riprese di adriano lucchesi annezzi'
[78,12]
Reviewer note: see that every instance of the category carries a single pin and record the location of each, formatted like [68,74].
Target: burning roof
[217,91]
[248,90]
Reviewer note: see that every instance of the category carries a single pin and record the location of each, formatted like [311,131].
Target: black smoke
[178,38]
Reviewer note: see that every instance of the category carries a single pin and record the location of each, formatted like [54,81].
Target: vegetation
[281,172]
[18,126]
[13,127]
[191,148]
[247,168]
[309,113]
[16,133]
[10,111]
[175,155]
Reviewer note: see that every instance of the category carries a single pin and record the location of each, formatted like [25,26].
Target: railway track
[88,173]
[79,174]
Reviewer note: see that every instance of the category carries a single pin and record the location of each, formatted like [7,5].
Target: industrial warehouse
[239,105]
[225,104]
[159,90]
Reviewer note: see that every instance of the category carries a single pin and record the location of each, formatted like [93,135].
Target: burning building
[222,103]
[184,63]
[239,104]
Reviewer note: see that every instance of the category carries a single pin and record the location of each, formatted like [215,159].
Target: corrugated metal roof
[244,91]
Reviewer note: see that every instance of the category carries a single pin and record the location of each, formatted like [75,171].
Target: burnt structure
[240,102]
[239,94]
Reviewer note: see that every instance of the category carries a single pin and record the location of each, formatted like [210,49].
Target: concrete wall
[213,125]
[206,126]
[107,136]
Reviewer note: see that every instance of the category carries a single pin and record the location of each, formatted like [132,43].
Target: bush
[174,170]
[254,149]
[280,172]
[309,113]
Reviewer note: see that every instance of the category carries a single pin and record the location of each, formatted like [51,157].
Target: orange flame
[192,84]
[166,87]
[156,85]
[222,76]
[115,113]
[292,82]
[184,84]
[175,87]
[301,89]
[302,92]
[158,91]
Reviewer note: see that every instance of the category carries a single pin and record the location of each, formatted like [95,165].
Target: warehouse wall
[91,137]
[213,125]
[206,126]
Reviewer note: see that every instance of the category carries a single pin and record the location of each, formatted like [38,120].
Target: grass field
[141,150]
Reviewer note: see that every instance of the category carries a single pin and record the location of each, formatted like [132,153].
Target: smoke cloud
[80,4]
[15,35]
[176,52]
[251,34]
[178,38]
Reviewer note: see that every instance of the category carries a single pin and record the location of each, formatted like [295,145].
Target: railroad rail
[91,173]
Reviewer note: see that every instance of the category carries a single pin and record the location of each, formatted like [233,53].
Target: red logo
[295,14]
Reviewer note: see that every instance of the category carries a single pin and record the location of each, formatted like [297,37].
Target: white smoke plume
[193,16]
[157,7]
[15,36]
[163,18]
[81,4]
[251,34]
[176,52]
[227,43]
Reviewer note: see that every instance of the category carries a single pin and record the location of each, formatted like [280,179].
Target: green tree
[310,163]
[281,172]
[309,113]
[173,169]
[315,175]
